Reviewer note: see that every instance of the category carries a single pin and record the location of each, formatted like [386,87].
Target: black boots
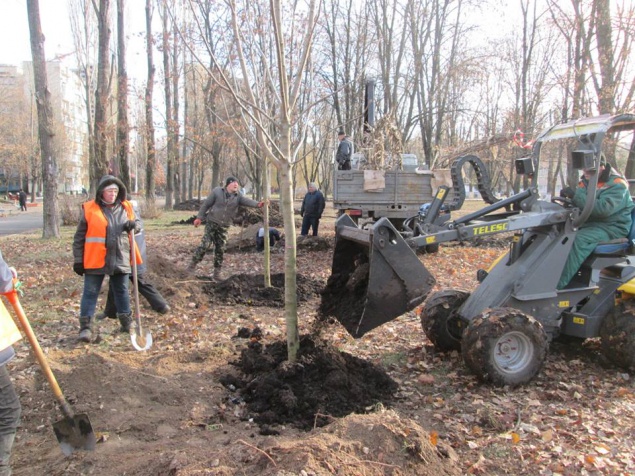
[125,320]
[85,329]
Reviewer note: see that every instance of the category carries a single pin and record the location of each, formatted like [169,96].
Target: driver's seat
[619,246]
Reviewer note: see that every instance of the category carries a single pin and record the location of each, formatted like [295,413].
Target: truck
[502,327]
[398,195]
[397,192]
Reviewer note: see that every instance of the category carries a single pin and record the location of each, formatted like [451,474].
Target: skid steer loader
[504,326]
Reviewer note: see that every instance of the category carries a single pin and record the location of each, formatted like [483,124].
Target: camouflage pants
[215,237]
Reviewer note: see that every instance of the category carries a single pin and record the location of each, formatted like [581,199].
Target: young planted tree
[259,35]
[46,135]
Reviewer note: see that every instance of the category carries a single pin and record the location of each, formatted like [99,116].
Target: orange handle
[12,296]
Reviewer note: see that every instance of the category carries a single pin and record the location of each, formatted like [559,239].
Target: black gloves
[567,192]
[78,268]
[129,225]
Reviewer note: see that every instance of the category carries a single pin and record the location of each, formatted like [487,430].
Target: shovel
[138,339]
[74,432]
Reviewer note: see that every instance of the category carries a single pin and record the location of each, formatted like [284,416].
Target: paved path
[13,221]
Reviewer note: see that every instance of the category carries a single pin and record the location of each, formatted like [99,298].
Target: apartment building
[70,119]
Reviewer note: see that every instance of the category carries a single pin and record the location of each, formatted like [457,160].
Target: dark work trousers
[146,289]
[309,222]
[9,419]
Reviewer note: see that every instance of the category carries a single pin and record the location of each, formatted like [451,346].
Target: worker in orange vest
[101,247]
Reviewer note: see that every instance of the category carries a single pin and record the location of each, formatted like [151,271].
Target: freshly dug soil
[323,384]
[249,289]
[344,296]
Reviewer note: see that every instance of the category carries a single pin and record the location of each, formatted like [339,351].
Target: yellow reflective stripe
[9,333]
[95,239]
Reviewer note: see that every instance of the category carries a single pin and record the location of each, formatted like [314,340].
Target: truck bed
[403,193]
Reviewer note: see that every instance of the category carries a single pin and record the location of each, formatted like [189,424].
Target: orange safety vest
[95,243]
[9,333]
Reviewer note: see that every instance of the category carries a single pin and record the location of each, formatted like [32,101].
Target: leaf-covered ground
[172,410]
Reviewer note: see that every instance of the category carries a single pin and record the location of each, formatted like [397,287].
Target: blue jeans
[92,285]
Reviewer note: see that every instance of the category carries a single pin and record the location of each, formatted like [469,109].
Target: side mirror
[524,166]
[582,159]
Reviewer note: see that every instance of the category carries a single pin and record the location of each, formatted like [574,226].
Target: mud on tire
[618,335]
[504,346]
[440,321]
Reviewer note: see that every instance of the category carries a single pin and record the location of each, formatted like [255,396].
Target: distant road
[13,221]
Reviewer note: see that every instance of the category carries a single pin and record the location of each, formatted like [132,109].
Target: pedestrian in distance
[344,152]
[610,217]
[22,200]
[312,209]
[101,247]
[146,288]
[274,236]
[10,409]
[218,211]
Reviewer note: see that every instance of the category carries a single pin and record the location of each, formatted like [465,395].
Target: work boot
[218,275]
[85,329]
[125,320]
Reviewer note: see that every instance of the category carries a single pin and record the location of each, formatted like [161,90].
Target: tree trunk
[265,224]
[102,93]
[50,227]
[604,32]
[175,108]
[151,159]
[290,258]
[167,90]
[122,100]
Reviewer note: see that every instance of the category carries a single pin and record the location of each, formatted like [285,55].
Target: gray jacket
[222,207]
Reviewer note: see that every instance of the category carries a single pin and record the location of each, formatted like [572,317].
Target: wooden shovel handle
[12,296]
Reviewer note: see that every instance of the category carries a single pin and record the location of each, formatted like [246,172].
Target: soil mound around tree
[249,289]
[323,384]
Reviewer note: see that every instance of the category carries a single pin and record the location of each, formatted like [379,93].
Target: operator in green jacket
[610,218]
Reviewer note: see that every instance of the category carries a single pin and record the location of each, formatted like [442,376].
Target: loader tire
[504,346]
[440,320]
[618,335]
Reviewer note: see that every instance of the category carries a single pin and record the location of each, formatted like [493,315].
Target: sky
[14,30]
[15,45]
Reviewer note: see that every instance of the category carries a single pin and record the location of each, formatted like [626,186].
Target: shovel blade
[75,433]
[141,342]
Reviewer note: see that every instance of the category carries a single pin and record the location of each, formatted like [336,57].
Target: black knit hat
[230,180]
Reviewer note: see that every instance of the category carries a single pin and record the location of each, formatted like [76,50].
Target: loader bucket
[375,277]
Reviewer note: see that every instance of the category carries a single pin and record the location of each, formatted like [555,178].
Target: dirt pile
[249,289]
[378,444]
[193,205]
[323,384]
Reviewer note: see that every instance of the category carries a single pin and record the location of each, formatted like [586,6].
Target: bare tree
[84,32]
[123,133]
[51,227]
[171,98]
[258,36]
[149,92]
[102,93]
